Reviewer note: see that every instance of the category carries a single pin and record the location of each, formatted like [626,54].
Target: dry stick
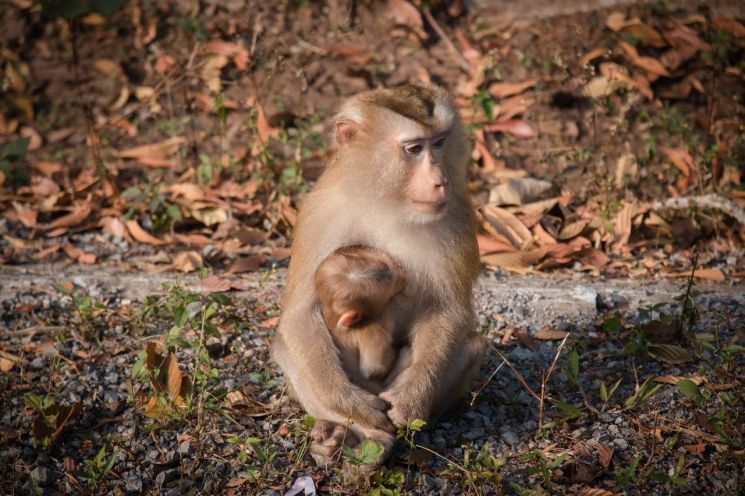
[87,112]
[712,200]
[546,376]
[462,62]
[544,380]
[483,386]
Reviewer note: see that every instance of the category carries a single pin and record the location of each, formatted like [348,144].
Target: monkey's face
[427,184]
[406,145]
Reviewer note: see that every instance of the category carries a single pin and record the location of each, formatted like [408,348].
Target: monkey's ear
[349,318]
[346,131]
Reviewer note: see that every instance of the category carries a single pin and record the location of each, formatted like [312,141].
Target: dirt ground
[171,142]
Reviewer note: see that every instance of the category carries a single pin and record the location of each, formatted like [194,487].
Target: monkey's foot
[327,439]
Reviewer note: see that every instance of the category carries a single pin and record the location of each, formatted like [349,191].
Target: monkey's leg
[463,368]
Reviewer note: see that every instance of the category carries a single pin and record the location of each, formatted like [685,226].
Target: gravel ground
[244,436]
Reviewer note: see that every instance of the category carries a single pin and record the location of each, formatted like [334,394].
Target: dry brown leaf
[79,255]
[78,215]
[516,127]
[8,361]
[488,163]
[516,261]
[262,125]
[214,284]
[616,21]
[139,234]
[26,215]
[649,64]
[507,224]
[158,151]
[622,225]
[571,230]
[643,86]
[593,491]
[605,454]
[729,26]
[110,68]
[187,261]
[115,227]
[355,54]
[210,216]
[592,55]
[680,159]
[548,334]
[673,379]
[713,274]
[646,34]
[669,353]
[626,167]
[514,106]
[235,51]
[406,14]
[490,245]
[35,139]
[518,191]
[60,416]
[503,90]
[250,263]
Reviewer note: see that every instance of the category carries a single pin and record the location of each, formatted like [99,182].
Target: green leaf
[309,421]
[416,425]
[574,363]
[63,8]
[567,408]
[15,150]
[690,390]
[107,7]
[367,453]
[613,325]
[603,392]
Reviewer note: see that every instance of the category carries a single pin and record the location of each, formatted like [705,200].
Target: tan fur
[360,199]
[360,281]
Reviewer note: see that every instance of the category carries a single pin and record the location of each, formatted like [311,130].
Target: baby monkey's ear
[349,318]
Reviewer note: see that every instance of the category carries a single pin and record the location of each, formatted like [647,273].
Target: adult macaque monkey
[396,183]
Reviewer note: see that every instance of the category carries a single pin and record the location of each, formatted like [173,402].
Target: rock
[37,363]
[184,448]
[519,354]
[429,482]
[621,443]
[510,438]
[44,475]
[134,484]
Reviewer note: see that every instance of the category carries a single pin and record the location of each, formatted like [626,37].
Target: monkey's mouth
[429,207]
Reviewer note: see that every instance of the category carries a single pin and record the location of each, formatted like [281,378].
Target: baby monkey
[355,285]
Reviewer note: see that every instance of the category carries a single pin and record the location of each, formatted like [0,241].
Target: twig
[451,462]
[87,111]
[483,386]
[544,380]
[711,200]
[462,62]
[519,376]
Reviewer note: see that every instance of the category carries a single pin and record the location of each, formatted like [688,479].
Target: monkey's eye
[438,142]
[413,148]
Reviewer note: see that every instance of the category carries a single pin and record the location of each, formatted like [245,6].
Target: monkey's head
[407,147]
[355,283]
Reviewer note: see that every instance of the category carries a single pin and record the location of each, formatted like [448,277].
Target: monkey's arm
[304,350]
[435,341]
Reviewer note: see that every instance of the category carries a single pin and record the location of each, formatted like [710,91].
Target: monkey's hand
[406,404]
[365,408]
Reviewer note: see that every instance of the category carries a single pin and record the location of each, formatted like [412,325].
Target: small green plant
[367,452]
[675,478]
[642,394]
[195,27]
[304,432]
[161,211]
[256,457]
[86,308]
[12,155]
[625,475]
[74,8]
[543,465]
[387,483]
[606,394]
[97,469]
[690,390]
[571,371]
[407,433]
